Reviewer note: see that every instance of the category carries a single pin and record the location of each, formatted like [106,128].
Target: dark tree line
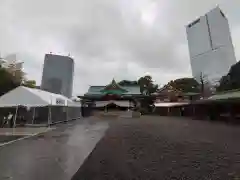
[231,80]
[147,87]
[185,85]
[145,83]
[9,81]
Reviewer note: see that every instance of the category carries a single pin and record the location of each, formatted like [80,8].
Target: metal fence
[53,114]
[41,115]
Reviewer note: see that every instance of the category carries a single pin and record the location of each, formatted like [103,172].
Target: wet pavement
[164,148]
[24,131]
[151,147]
[4,138]
[54,155]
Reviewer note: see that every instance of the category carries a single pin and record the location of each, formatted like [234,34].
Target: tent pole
[67,113]
[80,115]
[33,115]
[49,115]
[15,118]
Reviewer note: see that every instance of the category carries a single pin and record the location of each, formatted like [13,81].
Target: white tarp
[170,104]
[102,103]
[118,103]
[122,103]
[23,96]
[74,104]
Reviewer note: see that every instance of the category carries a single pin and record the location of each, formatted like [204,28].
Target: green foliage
[147,104]
[10,80]
[30,83]
[127,83]
[185,85]
[7,81]
[147,86]
[231,80]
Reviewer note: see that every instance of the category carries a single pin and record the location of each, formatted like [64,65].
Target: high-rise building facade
[58,72]
[210,46]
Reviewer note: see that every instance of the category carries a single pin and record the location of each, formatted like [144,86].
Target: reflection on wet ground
[53,155]
[4,138]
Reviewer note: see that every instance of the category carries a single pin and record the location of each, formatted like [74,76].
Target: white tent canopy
[23,96]
[170,104]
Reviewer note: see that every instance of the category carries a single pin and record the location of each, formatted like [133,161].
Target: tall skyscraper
[210,46]
[57,74]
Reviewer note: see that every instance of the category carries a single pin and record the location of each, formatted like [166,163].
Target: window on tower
[194,22]
[223,15]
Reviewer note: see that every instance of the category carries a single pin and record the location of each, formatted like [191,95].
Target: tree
[127,83]
[147,104]
[231,80]
[203,84]
[207,88]
[29,83]
[147,86]
[184,85]
[15,69]
[7,81]
[224,84]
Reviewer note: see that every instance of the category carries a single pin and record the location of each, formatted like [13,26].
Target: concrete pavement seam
[26,137]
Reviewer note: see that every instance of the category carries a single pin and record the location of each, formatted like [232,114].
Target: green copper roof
[98,90]
[113,88]
[117,92]
[224,96]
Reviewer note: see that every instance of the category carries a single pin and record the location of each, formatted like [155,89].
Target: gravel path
[164,148]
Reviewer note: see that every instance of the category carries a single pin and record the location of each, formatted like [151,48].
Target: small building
[171,94]
[172,102]
[112,97]
[221,106]
[171,109]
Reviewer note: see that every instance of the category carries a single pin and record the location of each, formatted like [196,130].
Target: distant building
[58,74]
[210,46]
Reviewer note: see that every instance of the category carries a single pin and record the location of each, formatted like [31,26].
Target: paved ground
[55,155]
[4,138]
[161,148]
[25,131]
[158,148]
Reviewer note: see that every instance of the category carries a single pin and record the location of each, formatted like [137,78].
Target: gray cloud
[121,38]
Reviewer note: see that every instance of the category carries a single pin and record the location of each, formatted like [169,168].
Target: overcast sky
[121,39]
